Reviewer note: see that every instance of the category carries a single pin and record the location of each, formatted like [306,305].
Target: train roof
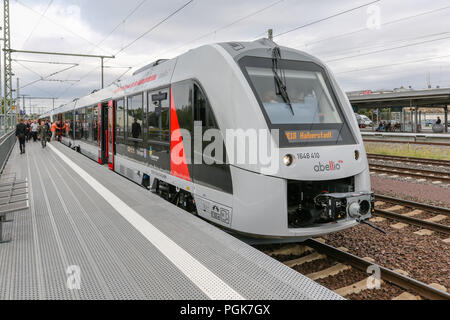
[159,73]
[263,48]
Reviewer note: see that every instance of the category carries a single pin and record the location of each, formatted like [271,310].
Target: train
[256,138]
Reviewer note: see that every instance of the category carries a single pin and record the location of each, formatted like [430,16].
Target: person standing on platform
[34,130]
[21,133]
[438,121]
[43,134]
[136,130]
[48,125]
[53,129]
[28,135]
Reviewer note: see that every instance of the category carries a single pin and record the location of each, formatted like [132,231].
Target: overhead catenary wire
[137,39]
[250,15]
[43,62]
[59,80]
[326,18]
[359,49]
[393,64]
[60,25]
[227,25]
[382,25]
[154,27]
[49,76]
[386,49]
[38,23]
[29,69]
[123,21]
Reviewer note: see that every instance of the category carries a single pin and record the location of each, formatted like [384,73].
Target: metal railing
[7,123]
[7,143]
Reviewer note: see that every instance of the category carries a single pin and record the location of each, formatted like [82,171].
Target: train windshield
[308,93]
[297,97]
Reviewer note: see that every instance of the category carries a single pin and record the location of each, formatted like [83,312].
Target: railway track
[409,160]
[439,213]
[314,251]
[413,204]
[410,172]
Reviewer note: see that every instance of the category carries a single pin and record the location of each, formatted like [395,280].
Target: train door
[111,134]
[102,132]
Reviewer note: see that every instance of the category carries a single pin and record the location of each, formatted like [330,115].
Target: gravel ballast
[409,190]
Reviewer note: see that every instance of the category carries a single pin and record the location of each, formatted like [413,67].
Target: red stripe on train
[178,164]
[137,83]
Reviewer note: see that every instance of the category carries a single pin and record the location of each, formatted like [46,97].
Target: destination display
[312,136]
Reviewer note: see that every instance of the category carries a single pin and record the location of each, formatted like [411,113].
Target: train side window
[135,117]
[86,129]
[182,94]
[89,124]
[158,115]
[78,125]
[203,111]
[120,119]
[95,123]
[68,125]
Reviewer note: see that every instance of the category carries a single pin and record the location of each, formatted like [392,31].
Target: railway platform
[91,234]
[408,138]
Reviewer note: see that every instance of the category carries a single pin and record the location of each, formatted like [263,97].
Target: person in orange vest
[53,129]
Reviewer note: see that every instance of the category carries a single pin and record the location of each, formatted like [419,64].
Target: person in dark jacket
[21,134]
[136,130]
[48,125]
[28,135]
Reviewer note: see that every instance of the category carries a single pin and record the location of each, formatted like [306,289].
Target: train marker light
[288,160]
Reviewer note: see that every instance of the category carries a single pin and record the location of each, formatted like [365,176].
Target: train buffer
[89,233]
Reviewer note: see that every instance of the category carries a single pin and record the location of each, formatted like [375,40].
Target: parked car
[367,121]
[363,121]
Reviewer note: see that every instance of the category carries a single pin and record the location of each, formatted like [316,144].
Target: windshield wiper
[280,80]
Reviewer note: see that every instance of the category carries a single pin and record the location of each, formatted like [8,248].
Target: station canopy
[400,98]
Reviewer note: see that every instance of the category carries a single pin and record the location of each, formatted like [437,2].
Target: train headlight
[357,155]
[288,160]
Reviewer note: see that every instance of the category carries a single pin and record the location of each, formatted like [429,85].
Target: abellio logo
[330,166]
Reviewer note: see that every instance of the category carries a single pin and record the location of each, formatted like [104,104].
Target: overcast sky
[386,45]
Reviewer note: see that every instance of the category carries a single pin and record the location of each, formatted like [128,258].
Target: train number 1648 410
[313,155]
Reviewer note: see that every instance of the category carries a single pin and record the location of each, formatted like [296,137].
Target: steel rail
[388,275]
[413,221]
[413,170]
[412,204]
[411,173]
[408,159]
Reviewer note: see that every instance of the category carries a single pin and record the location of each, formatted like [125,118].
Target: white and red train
[319,181]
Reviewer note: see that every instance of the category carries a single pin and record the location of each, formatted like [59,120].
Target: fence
[7,143]
[7,123]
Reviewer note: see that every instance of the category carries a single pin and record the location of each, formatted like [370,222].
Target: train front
[320,182]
